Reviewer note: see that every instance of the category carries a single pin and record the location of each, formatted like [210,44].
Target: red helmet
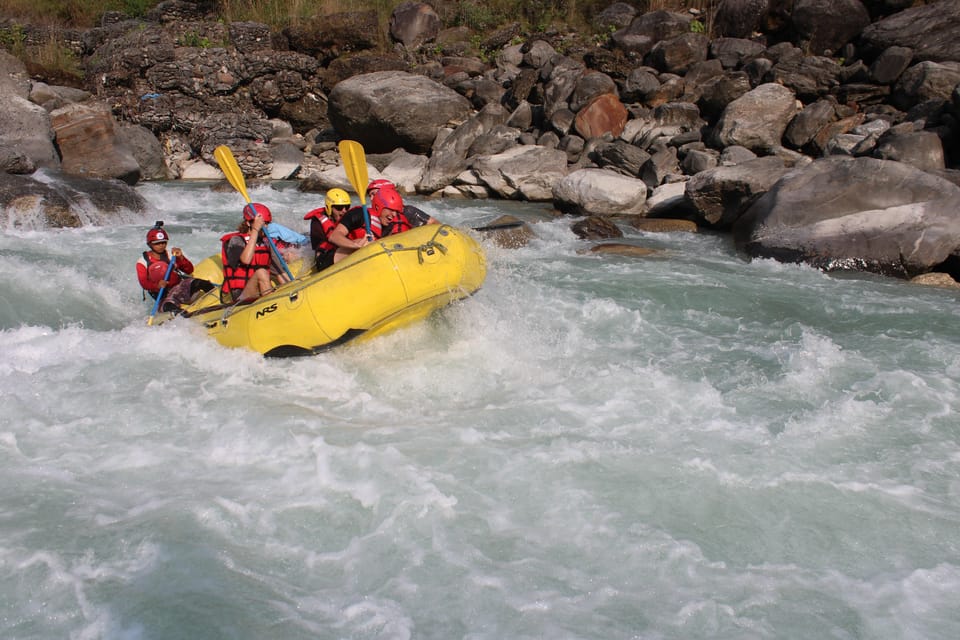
[386,198]
[157,234]
[251,210]
[377,184]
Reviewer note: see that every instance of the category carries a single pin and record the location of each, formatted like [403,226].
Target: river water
[681,446]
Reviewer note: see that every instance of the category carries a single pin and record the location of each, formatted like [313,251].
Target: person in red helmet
[152,269]
[246,257]
[351,232]
[409,218]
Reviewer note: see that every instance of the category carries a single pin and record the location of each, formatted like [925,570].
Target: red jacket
[151,269]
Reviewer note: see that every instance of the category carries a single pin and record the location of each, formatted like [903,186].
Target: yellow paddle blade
[228,164]
[355,164]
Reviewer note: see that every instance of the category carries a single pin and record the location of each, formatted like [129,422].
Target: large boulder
[449,155]
[405,170]
[600,192]
[826,25]
[740,18]
[389,109]
[646,30]
[929,29]
[604,114]
[25,132]
[721,195]
[414,24]
[146,149]
[14,79]
[59,200]
[925,81]
[522,173]
[25,135]
[88,142]
[758,119]
[858,214]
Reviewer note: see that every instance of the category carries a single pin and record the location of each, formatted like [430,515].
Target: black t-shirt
[417,217]
[354,219]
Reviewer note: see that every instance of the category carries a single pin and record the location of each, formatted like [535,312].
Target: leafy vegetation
[12,39]
[193,39]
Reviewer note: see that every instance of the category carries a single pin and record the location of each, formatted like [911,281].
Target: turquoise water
[682,446]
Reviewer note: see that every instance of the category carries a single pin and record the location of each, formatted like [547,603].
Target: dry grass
[479,15]
[54,62]
[69,13]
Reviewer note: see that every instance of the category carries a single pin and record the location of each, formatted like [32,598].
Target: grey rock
[899,220]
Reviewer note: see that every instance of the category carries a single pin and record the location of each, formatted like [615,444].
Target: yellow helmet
[336,197]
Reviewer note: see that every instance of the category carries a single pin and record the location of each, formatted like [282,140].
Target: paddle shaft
[166,277]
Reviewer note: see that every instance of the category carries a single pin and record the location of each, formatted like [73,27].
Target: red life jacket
[155,273]
[361,232]
[235,278]
[400,224]
[326,226]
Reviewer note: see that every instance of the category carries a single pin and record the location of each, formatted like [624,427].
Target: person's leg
[257,285]
[325,259]
[251,290]
[262,276]
[196,284]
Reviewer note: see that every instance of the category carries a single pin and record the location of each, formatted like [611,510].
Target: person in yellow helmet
[323,221]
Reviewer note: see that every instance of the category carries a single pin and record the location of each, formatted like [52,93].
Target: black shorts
[325,259]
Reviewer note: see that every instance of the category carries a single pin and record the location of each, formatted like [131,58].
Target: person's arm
[339,237]
[234,248]
[144,277]
[418,217]
[182,263]
[246,257]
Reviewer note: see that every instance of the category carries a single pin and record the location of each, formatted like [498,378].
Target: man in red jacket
[152,268]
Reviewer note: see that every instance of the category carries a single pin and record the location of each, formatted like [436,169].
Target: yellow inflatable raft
[387,284]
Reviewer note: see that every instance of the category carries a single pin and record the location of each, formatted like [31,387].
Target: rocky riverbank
[824,132]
